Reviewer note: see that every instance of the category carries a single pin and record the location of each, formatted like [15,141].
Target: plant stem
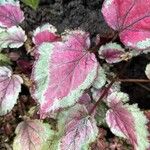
[134,80]
[143,86]
[102,96]
[108,87]
[115,37]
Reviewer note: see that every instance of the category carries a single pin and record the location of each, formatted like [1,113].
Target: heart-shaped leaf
[127,120]
[71,69]
[131,18]
[10,13]
[80,129]
[10,86]
[13,37]
[32,135]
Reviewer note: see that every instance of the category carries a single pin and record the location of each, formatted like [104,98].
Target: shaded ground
[136,92]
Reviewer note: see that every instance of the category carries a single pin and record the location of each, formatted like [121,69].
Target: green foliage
[4,60]
[32,3]
[101,114]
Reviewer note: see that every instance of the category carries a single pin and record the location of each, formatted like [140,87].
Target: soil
[136,70]
[68,14]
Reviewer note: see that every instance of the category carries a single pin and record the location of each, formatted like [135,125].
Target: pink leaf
[131,18]
[111,52]
[46,33]
[13,37]
[32,135]
[127,120]
[10,86]
[10,14]
[71,70]
[85,100]
[80,129]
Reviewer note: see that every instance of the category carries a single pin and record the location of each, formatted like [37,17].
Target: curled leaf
[127,121]
[32,135]
[131,18]
[10,13]
[46,33]
[111,52]
[13,37]
[10,86]
[147,71]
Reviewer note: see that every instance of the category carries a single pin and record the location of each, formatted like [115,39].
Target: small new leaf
[111,52]
[32,3]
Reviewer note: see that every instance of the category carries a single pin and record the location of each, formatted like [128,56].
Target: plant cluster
[71,81]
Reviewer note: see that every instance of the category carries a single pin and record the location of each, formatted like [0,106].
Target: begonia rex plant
[69,82]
